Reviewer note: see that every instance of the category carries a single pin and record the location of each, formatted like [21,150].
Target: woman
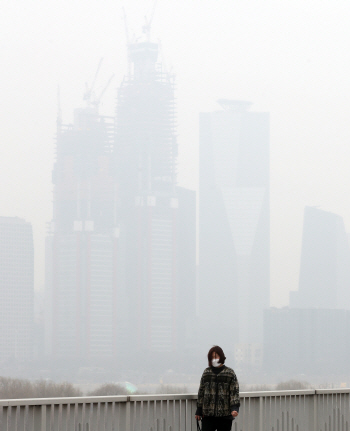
[218,395]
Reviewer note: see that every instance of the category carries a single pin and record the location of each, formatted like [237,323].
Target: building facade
[16,289]
[324,280]
[234,233]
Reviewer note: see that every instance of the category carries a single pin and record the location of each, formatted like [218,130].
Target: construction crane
[126,27]
[127,40]
[97,100]
[59,111]
[88,91]
[146,29]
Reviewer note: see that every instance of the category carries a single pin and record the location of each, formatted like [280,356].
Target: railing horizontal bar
[258,394]
[160,397]
[333,391]
[63,400]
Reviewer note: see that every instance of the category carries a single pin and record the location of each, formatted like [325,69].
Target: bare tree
[292,385]
[255,388]
[109,389]
[20,388]
[171,389]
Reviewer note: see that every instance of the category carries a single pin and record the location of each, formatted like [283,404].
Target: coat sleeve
[200,398]
[234,394]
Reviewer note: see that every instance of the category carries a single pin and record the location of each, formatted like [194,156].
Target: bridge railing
[301,410]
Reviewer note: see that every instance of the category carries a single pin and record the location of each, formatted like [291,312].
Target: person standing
[218,395]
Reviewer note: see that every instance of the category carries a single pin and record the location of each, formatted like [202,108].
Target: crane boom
[88,92]
[98,100]
[126,27]
[148,22]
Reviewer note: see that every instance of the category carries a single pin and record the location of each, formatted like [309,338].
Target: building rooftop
[234,105]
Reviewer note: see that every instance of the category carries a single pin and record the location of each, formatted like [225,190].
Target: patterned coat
[218,394]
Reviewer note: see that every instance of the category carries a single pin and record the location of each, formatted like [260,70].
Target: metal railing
[301,410]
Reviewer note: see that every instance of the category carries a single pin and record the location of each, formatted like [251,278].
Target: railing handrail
[160,397]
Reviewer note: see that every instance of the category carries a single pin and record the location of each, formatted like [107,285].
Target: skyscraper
[234,243]
[152,210]
[121,252]
[16,289]
[324,280]
[82,241]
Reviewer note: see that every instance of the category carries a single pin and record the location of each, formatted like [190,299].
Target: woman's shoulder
[207,370]
[229,370]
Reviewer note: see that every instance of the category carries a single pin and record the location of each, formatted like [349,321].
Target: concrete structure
[234,232]
[16,289]
[312,342]
[324,280]
[321,410]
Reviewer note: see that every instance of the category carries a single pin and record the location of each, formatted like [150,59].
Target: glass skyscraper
[234,231]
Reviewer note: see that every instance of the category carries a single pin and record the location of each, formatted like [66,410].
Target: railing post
[315,412]
[39,418]
[128,415]
[261,406]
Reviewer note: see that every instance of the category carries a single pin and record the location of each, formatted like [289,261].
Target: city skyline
[271,55]
[120,250]
[186,170]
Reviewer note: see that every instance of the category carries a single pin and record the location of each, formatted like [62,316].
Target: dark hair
[219,351]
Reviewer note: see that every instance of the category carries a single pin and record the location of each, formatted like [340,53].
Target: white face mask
[215,363]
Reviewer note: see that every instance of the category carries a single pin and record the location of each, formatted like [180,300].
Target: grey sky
[290,58]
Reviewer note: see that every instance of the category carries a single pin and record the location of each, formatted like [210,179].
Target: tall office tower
[16,289]
[234,233]
[82,242]
[152,210]
[324,280]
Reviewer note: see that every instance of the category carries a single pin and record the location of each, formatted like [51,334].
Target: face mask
[215,362]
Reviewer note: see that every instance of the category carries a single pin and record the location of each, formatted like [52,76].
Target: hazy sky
[289,57]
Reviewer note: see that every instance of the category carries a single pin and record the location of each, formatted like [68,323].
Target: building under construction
[153,212]
[121,246]
[81,247]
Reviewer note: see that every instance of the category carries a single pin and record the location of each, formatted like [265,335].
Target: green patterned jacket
[218,394]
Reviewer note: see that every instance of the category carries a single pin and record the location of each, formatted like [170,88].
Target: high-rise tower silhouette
[121,250]
[152,210]
[234,231]
[82,241]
